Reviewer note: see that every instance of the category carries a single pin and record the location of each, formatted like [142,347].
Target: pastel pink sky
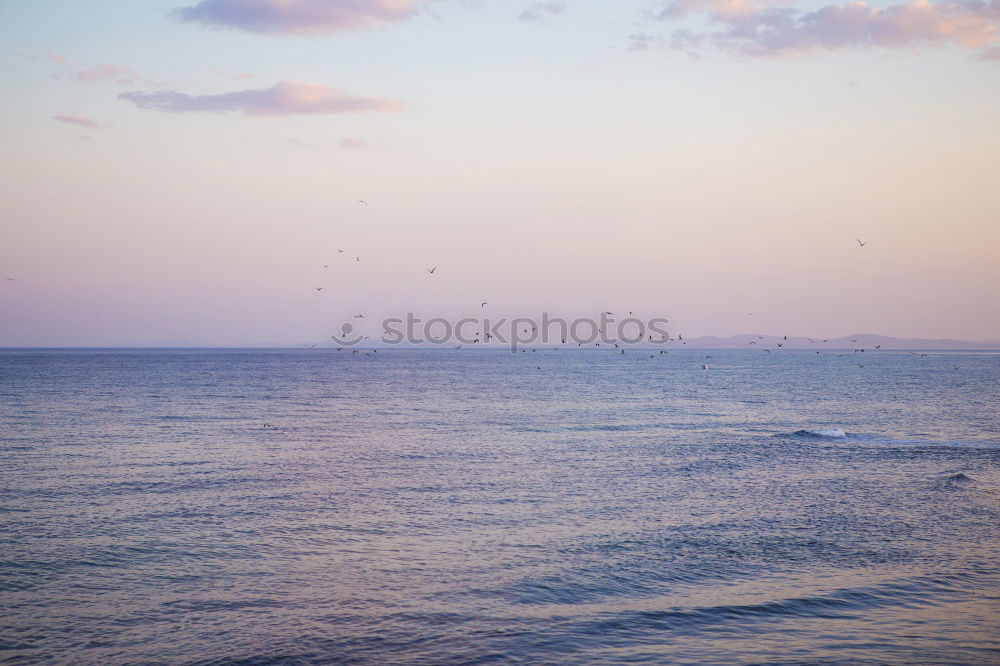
[695,159]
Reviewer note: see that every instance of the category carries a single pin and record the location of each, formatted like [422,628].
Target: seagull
[860,366]
[704,367]
[860,244]
[340,251]
[319,288]
[362,203]
[325,266]
[10,279]
[431,270]
[359,316]
[854,339]
[484,304]
[878,346]
[357,258]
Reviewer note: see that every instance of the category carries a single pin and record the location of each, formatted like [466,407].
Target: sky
[184,169]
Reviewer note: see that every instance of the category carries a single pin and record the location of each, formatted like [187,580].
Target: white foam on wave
[824,432]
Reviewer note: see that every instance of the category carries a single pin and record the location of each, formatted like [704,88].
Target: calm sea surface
[452,507]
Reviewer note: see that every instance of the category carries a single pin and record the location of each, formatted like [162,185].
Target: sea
[253,506]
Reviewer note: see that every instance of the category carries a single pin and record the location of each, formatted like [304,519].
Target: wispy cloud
[351,143]
[110,73]
[281,99]
[82,121]
[298,17]
[641,41]
[58,59]
[759,28]
[540,10]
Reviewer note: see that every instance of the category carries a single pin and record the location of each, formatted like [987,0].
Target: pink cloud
[56,58]
[754,28]
[117,73]
[298,17]
[540,10]
[77,120]
[281,99]
[350,143]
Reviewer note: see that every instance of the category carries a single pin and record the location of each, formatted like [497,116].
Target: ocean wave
[825,433]
[953,481]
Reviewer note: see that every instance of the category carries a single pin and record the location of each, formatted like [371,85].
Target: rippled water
[451,507]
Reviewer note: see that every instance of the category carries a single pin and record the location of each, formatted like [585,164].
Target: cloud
[281,99]
[758,28]
[77,120]
[350,143]
[298,17]
[58,59]
[539,10]
[990,54]
[641,41]
[117,73]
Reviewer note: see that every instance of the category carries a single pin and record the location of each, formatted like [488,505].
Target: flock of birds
[680,338]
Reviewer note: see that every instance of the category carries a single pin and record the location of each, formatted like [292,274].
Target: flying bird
[362,203]
[484,304]
[431,270]
[319,288]
[860,244]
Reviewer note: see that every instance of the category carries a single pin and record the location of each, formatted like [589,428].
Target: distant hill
[856,341]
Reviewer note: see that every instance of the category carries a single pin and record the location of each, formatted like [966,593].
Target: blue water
[452,507]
